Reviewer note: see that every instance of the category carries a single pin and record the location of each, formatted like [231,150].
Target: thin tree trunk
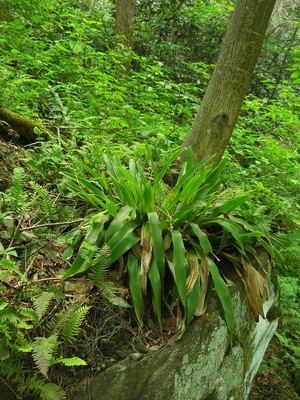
[124,26]
[222,102]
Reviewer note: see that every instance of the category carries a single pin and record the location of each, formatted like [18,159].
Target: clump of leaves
[171,240]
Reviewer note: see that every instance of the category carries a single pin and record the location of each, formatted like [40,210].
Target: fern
[72,328]
[42,352]
[47,206]
[87,251]
[100,262]
[11,326]
[68,322]
[109,292]
[59,321]
[11,266]
[69,362]
[16,195]
[12,370]
[46,390]
[41,302]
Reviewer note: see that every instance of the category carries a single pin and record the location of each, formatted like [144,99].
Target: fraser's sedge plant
[169,239]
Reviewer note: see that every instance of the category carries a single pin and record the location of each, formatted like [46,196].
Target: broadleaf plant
[175,237]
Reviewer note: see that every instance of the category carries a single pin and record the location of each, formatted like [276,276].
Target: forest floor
[273,382]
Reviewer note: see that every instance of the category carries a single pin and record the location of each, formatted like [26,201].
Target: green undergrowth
[71,212]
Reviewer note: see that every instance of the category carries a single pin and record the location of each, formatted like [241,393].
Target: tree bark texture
[124,21]
[222,102]
[20,129]
[124,28]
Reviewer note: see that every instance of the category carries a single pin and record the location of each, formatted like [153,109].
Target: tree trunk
[222,102]
[20,129]
[124,26]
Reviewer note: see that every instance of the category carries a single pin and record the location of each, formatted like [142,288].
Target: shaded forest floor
[273,382]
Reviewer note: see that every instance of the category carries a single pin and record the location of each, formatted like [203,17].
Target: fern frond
[47,205]
[16,195]
[11,266]
[87,251]
[30,314]
[109,292]
[41,302]
[12,370]
[13,319]
[69,362]
[60,320]
[72,328]
[46,390]
[100,262]
[42,351]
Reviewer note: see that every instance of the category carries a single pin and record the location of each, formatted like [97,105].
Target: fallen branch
[30,228]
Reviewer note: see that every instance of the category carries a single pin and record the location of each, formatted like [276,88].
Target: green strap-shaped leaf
[192,301]
[179,264]
[148,198]
[167,164]
[228,206]
[85,184]
[125,244]
[90,198]
[187,213]
[223,294]
[236,230]
[124,193]
[124,229]
[156,285]
[110,166]
[203,239]
[135,285]
[118,221]
[80,264]
[158,243]
[133,170]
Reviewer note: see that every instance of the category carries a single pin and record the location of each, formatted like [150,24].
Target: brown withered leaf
[256,288]
[204,277]
[170,263]
[146,257]
[194,272]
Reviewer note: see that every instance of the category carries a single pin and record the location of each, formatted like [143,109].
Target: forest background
[62,66]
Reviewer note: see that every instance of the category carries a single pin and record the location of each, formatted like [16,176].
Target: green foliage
[264,151]
[16,195]
[42,352]
[19,340]
[72,326]
[60,65]
[151,225]
[288,333]
[41,302]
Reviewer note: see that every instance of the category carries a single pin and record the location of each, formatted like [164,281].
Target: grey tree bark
[222,102]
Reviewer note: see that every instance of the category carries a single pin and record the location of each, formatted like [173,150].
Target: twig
[30,228]
[11,389]
[16,231]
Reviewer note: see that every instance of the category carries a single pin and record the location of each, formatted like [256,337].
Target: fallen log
[20,129]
